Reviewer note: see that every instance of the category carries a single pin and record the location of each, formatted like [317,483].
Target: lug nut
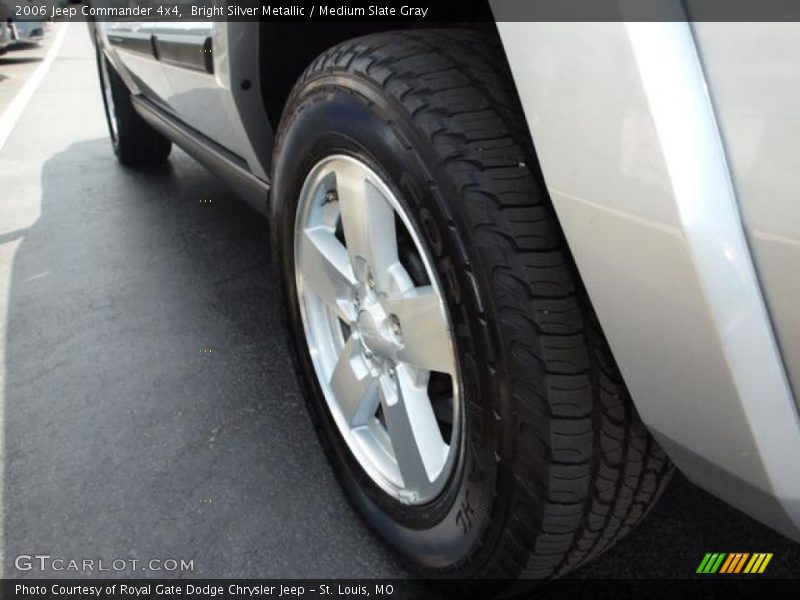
[396,326]
[391,372]
[331,196]
[356,300]
[371,283]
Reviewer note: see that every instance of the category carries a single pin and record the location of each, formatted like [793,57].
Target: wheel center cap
[371,327]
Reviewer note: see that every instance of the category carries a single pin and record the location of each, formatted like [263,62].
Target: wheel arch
[287,49]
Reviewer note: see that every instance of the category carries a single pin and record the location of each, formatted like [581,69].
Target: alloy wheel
[377,329]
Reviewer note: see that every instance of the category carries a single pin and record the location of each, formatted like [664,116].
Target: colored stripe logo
[734,563]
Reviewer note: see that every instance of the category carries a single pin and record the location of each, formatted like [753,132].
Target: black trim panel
[228,166]
[189,55]
[137,45]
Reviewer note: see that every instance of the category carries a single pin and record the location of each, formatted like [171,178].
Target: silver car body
[669,152]
[208,103]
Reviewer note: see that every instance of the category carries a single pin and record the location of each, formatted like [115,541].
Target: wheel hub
[375,328]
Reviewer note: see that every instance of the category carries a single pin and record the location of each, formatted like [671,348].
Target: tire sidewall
[340,115]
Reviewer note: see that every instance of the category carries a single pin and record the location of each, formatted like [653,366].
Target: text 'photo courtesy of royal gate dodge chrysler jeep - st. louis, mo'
[528,268]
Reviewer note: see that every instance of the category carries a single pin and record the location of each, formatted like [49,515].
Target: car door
[130,44]
[212,71]
[198,94]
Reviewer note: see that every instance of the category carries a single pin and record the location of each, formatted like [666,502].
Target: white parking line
[17,106]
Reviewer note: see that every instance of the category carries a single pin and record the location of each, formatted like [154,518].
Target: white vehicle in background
[27,32]
[18,31]
[505,349]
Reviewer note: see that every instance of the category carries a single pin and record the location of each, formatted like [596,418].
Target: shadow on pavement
[151,410]
[5,59]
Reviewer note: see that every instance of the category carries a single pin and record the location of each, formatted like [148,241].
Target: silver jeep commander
[526,267]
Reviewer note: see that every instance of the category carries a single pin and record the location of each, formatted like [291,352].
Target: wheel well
[286,49]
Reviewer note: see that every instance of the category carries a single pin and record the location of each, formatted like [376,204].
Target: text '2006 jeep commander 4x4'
[505,350]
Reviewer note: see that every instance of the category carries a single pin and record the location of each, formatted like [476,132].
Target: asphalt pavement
[149,409]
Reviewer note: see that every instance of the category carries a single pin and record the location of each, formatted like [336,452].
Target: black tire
[556,465]
[135,142]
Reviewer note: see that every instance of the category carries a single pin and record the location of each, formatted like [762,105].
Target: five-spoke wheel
[377,328]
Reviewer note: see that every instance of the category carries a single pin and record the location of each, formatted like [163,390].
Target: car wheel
[453,366]
[135,142]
